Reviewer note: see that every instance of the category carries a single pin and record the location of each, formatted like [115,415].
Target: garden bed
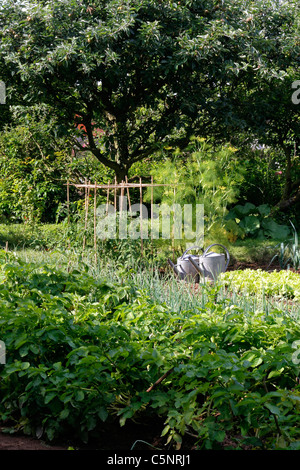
[82,354]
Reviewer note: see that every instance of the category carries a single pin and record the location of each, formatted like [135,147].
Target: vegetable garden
[189,104]
[86,348]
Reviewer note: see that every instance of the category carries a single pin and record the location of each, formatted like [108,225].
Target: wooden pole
[95,220]
[117,186]
[128,194]
[141,215]
[68,200]
[151,215]
[173,240]
[160,379]
[68,208]
[115,198]
[107,198]
[122,196]
[86,208]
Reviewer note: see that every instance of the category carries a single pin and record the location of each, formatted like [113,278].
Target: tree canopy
[147,73]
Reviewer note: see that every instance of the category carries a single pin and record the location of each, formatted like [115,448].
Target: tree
[278,126]
[33,168]
[5,114]
[147,73]
[265,105]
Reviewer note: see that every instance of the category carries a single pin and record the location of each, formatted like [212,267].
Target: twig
[144,442]
[160,380]
[274,416]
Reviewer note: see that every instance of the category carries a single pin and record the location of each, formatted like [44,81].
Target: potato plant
[84,353]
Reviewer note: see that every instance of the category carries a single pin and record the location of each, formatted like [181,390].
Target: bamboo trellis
[115,187]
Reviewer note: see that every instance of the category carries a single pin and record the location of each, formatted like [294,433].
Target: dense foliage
[274,284]
[33,170]
[82,353]
[150,73]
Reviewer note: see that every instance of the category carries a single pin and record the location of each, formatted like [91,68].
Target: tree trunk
[121,174]
[286,203]
[288,177]
[291,191]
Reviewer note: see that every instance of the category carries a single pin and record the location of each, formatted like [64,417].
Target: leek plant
[289,253]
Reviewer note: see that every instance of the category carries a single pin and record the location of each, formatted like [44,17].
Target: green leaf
[79,395]
[127,414]
[64,413]
[103,414]
[274,409]
[23,350]
[219,436]
[275,230]
[250,223]
[264,209]
[34,348]
[165,430]
[275,373]
[22,339]
[244,210]
[49,397]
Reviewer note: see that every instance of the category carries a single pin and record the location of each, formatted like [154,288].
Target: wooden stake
[68,207]
[151,227]
[68,200]
[122,197]
[115,198]
[107,198]
[173,240]
[141,215]
[95,220]
[128,194]
[86,208]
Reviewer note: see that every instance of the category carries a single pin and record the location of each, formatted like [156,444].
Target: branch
[286,203]
[160,379]
[92,146]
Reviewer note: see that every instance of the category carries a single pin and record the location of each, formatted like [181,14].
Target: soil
[142,437]
[20,442]
[136,436]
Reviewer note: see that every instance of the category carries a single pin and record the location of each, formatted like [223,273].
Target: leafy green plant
[255,221]
[289,253]
[83,353]
[33,167]
[204,174]
[280,284]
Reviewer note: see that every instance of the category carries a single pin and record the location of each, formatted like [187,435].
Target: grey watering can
[184,268]
[187,270]
[208,265]
[211,264]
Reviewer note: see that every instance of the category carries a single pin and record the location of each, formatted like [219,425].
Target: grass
[165,290]
[47,244]
[38,240]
